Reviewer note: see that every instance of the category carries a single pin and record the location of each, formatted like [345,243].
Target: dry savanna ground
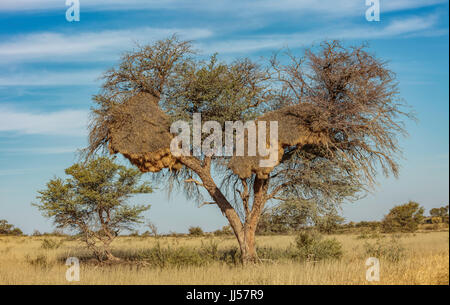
[424,259]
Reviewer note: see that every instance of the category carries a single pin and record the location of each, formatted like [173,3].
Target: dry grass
[426,261]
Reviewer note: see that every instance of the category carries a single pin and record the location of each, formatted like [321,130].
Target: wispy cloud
[107,45]
[396,28]
[52,78]
[328,7]
[85,46]
[66,122]
[40,150]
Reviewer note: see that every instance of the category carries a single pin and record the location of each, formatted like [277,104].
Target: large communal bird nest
[298,125]
[139,130]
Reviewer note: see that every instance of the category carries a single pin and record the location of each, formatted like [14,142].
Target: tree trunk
[248,246]
[244,232]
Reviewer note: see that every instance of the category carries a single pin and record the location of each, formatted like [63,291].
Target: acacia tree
[92,202]
[8,229]
[439,212]
[337,108]
[295,215]
[403,218]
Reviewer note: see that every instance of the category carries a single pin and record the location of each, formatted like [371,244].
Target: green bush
[226,230]
[311,247]
[403,218]
[8,229]
[196,231]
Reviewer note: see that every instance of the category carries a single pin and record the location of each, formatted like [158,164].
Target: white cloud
[397,28]
[40,150]
[85,46]
[328,7]
[66,122]
[107,45]
[46,78]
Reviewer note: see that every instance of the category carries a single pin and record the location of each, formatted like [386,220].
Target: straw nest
[298,125]
[139,130]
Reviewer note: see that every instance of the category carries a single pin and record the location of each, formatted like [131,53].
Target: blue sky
[49,70]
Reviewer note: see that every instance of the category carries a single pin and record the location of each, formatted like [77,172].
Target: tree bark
[244,232]
[248,247]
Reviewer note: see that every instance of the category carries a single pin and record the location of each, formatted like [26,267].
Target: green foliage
[403,218]
[439,215]
[311,247]
[439,212]
[294,215]
[196,231]
[220,91]
[9,229]
[391,250]
[288,216]
[329,223]
[92,202]
[226,230]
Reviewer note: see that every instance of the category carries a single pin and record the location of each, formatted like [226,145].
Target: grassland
[27,260]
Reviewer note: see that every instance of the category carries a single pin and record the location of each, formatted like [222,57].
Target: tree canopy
[92,202]
[8,229]
[403,218]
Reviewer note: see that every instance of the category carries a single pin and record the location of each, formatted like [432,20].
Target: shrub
[226,230]
[196,231]
[311,247]
[41,261]
[369,235]
[390,250]
[51,244]
[403,218]
[8,229]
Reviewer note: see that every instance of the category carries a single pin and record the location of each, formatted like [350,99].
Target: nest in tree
[298,125]
[139,130]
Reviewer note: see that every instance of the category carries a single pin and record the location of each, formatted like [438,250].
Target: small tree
[196,231]
[153,229]
[330,222]
[8,229]
[92,202]
[288,216]
[439,212]
[403,218]
[295,215]
[226,230]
